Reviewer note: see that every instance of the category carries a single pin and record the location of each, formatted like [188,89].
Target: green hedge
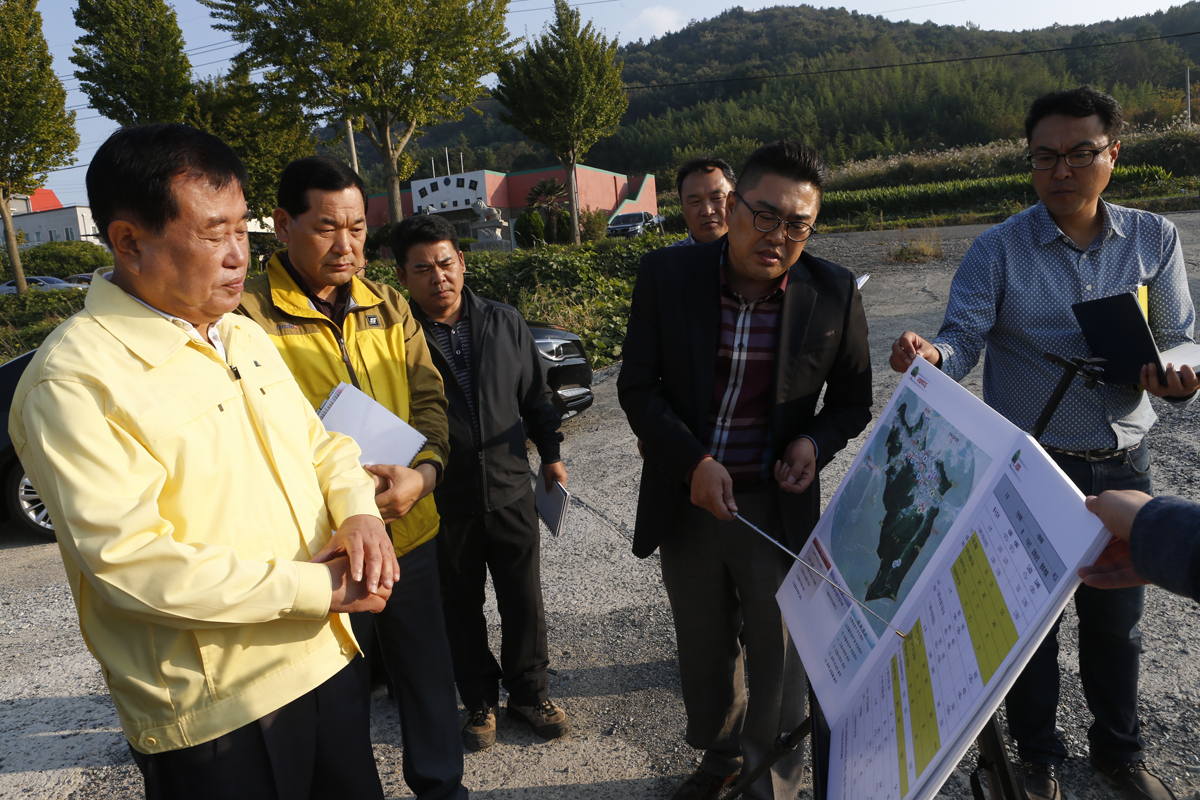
[584,289]
[963,194]
[59,259]
[26,320]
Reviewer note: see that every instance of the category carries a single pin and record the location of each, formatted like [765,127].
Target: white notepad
[383,437]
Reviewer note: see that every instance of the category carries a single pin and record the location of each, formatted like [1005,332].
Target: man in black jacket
[496,387]
[729,347]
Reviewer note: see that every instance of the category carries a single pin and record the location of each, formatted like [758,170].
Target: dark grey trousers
[721,578]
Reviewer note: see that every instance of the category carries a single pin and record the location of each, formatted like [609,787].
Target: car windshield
[627,219]
[50,280]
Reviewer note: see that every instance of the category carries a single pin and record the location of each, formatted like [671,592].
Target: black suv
[24,506]
[567,369]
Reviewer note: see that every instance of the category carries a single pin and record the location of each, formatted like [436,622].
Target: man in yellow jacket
[332,327]
[195,496]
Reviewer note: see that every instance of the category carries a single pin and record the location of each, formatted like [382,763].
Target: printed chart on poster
[953,527]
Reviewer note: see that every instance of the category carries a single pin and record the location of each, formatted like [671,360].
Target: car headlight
[551,349]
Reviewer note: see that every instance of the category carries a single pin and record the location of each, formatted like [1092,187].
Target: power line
[551,8]
[958,60]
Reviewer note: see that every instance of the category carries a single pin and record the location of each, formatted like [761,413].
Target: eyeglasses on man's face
[1075,158]
[766,222]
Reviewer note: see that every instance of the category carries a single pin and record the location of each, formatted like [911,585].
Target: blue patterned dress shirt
[1013,294]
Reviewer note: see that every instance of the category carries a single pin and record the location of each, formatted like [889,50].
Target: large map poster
[943,558]
[909,488]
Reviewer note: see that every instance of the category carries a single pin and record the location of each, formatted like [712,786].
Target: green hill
[853,110]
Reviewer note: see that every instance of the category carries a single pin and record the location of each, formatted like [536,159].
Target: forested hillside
[846,110]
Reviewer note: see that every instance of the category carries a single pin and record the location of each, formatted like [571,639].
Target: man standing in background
[703,184]
[496,387]
[332,327]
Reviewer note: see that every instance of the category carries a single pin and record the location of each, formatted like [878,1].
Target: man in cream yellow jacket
[196,496]
[332,327]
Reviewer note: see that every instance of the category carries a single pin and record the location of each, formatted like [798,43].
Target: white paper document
[955,527]
[383,437]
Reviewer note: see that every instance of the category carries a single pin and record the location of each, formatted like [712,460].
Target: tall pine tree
[564,91]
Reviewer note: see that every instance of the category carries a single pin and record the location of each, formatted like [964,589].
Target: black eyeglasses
[795,231]
[1075,158]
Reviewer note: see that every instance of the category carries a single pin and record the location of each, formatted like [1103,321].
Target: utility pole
[461,168]
[1188,78]
[447,160]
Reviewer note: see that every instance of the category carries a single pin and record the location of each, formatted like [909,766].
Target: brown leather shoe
[1136,780]
[702,785]
[479,730]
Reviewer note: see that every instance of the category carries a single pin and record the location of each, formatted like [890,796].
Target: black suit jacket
[669,364]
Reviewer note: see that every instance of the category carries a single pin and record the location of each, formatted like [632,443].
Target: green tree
[267,131]
[37,133]
[63,259]
[388,65]
[565,92]
[131,61]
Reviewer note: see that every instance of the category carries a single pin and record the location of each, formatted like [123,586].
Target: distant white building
[65,224]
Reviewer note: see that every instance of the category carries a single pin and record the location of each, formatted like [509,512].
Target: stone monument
[490,232]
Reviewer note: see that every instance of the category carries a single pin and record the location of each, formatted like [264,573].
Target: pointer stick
[816,572]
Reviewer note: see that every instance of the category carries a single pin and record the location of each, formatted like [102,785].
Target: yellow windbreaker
[188,495]
[379,348]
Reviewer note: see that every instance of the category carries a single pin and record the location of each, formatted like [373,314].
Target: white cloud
[655,21]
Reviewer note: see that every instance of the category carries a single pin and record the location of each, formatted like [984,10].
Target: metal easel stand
[786,743]
[993,756]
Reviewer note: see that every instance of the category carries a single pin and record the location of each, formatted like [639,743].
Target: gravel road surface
[611,641]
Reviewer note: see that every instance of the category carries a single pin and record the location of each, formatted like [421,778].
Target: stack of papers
[383,437]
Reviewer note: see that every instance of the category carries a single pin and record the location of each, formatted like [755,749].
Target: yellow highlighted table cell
[992,631]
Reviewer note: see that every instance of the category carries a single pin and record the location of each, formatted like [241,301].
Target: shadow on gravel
[49,732]
[617,678]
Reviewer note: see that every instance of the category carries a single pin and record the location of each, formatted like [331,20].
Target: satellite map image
[916,476]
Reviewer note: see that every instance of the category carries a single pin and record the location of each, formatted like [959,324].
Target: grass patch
[925,246]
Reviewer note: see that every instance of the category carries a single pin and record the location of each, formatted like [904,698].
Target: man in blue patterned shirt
[1013,294]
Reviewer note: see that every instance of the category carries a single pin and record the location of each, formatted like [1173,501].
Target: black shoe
[1136,780]
[546,718]
[479,731]
[1039,782]
[702,785]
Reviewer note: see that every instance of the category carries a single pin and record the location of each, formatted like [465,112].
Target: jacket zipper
[345,355]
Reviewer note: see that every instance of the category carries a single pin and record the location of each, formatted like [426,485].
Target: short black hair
[421,229]
[131,173]
[314,172]
[1081,102]
[705,164]
[795,160]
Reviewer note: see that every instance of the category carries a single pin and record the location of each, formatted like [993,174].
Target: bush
[595,224]
[377,240]
[562,228]
[584,289]
[60,259]
[26,320]
[529,228]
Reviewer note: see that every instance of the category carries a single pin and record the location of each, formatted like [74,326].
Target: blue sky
[628,20]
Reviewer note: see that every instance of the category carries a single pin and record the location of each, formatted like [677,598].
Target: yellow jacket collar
[147,334]
[291,299]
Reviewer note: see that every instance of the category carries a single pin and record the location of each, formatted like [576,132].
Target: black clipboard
[1116,329]
[551,506]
